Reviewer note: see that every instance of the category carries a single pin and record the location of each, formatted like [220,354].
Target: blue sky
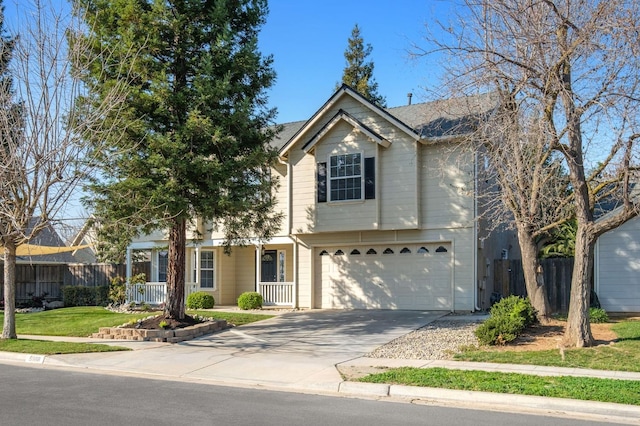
[308,40]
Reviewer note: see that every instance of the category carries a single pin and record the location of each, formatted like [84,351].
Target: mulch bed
[153,323]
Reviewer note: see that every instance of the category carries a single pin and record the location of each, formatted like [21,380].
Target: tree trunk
[176,270]
[578,330]
[9,326]
[533,278]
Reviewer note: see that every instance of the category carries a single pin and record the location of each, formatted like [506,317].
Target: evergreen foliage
[358,73]
[509,317]
[196,142]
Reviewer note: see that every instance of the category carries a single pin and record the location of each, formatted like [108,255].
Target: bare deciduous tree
[43,157]
[571,67]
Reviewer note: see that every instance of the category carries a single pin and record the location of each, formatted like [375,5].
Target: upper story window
[347,177]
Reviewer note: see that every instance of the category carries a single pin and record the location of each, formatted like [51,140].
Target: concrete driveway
[292,350]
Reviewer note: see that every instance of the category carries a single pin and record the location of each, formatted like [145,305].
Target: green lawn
[585,388]
[84,321]
[623,356]
[44,347]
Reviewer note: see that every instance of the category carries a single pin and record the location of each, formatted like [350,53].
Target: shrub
[598,315]
[200,300]
[118,291]
[508,318]
[84,296]
[250,300]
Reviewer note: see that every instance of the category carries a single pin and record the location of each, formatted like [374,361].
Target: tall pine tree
[197,139]
[358,73]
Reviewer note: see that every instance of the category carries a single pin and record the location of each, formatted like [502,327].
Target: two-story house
[379,213]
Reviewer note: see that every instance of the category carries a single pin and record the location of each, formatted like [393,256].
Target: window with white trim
[163,261]
[207,269]
[281,266]
[345,177]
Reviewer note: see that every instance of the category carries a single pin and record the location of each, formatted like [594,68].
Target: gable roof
[427,122]
[342,115]
[344,90]
[48,237]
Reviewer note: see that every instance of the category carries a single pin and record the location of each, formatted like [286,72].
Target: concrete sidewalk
[281,354]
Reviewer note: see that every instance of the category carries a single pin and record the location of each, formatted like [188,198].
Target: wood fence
[36,280]
[509,280]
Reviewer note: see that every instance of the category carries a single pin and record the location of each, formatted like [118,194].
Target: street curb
[498,401]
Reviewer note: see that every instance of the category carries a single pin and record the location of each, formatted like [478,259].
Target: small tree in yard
[43,154]
[567,74]
[197,140]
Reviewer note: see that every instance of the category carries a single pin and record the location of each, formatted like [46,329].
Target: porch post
[197,260]
[258,266]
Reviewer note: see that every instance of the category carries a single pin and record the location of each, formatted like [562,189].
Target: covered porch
[268,269]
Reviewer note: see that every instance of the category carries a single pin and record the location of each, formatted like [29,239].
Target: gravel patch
[440,339]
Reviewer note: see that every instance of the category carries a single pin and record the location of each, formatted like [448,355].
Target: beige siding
[345,215]
[279,173]
[446,187]
[245,270]
[304,191]
[305,277]
[396,204]
[397,180]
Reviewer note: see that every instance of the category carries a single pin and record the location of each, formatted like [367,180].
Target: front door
[269,266]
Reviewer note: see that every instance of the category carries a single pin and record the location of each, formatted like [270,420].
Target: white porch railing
[154,293]
[273,293]
[276,293]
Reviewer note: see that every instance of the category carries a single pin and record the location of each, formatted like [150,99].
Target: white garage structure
[617,268]
[392,276]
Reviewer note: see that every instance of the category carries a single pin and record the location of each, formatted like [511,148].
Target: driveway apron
[293,350]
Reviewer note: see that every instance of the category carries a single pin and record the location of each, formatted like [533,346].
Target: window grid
[345,173]
[163,261]
[207,263]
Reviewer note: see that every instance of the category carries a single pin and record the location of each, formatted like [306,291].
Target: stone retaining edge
[170,336]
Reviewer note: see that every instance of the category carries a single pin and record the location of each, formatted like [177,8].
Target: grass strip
[583,388]
[43,347]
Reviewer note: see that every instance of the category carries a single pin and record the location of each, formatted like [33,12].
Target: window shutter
[369,178]
[322,182]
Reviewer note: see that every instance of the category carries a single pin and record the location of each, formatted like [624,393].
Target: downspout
[475,232]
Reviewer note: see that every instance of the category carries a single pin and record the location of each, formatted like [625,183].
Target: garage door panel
[384,277]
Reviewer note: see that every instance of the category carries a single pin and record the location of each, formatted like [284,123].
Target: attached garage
[397,276]
[618,268]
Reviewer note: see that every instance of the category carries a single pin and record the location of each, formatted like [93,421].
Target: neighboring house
[86,239]
[617,268]
[37,275]
[379,213]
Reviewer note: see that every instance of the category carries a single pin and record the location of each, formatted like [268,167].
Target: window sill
[344,202]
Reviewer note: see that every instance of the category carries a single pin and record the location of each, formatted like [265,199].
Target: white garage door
[408,276]
[619,268]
